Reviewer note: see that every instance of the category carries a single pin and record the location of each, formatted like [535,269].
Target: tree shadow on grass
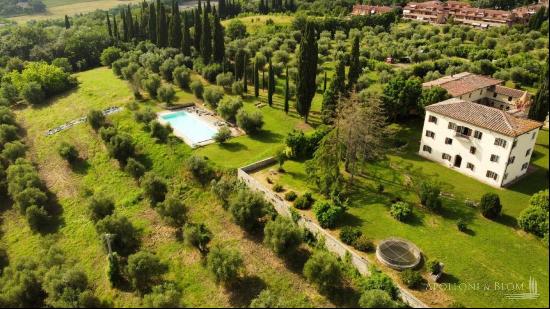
[343,297]
[295,260]
[507,220]
[80,166]
[233,146]
[265,136]
[449,279]
[245,290]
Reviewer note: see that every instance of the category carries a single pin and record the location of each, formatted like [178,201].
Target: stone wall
[332,243]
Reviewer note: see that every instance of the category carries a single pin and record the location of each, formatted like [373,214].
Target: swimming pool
[190,127]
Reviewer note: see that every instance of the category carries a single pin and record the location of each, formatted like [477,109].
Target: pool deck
[207,116]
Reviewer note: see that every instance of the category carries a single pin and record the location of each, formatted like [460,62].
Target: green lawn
[99,89]
[490,253]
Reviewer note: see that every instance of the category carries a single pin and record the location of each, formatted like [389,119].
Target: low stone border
[72,123]
[332,243]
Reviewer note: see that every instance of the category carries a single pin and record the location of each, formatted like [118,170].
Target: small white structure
[479,141]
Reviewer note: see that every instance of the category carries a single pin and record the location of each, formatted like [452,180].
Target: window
[525,166]
[533,135]
[452,125]
[432,119]
[494,95]
[491,174]
[500,142]
[478,134]
[509,98]
[470,95]
[473,150]
[446,157]
[514,144]
[430,134]
[481,91]
[427,149]
[511,160]
[505,176]
[470,166]
[464,131]
[528,152]
[494,158]
[448,141]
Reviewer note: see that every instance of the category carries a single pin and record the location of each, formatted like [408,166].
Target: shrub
[37,217]
[490,206]
[159,131]
[114,269]
[461,225]
[349,235]
[380,281]
[166,295]
[124,237]
[68,152]
[278,187]
[305,201]
[181,77]
[7,117]
[100,207]
[401,211]
[225,264]
[434,267]
[198,236]
[166,94]
[32,93]
[290,196]
[247,208]
[228,108]
[376,299]
[145,116]
[110,55]
[197,88]
[167,69]
[225,80]
[200,169]
[121,147]
[63,63]
[223,134]
[152,85]
[364,244]
[327,213]
[209,72]
[134,168]
[251,123]
[13,151]
[323,270]
[380,188]
[412,279]
[282,235]
[534,219]
[173,211]
[30,196]
[237,88]
[429,196]
[223,188]
[96,119]
[213,95]
[106,133]
[144,269]
[154,188]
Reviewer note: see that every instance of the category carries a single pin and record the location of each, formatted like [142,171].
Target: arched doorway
[458,161]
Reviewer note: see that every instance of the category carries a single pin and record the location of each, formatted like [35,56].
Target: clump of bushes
[228,108]
[401,211]
[213,95]
[429,196]
[278,187]
[490,205]
[434,267]
[349,235]
[197,88]
[376,299]
[145,116]
[223,134]
[305,201]
[412,279]
[290,196]
[327,213]
[68,152]
[134,168]
[282,235]
[364,244]
[534,219]
[250,122]
[96,119]
[461,225]
[200,169]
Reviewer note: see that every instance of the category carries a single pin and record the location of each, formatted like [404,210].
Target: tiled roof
[511,92]
[362,9]
[482,116]
[465,82]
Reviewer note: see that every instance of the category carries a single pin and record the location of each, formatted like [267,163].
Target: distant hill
[19,7]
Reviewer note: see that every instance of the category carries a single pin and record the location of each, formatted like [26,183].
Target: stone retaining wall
[332,243]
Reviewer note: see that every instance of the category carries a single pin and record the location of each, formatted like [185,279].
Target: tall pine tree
[539,109]
[186,38]
[124,26]
[130,23]
[287,91]
[175,35]
[221,9]
[256,79]
[271,84]
[109,29]
[152,23]
[206,38]
[115,28]
[198,28]
[307,70]
[339,81]
[219,43]
[354,64]
[163,28]
[245,81]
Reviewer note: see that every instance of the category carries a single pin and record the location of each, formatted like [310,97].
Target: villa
[479,141]
[363,9]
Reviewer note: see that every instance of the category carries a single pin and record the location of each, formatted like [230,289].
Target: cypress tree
[355,63]
[219,43]
[325,82]
[245,81]
[271,84]
[124,26]
[340,78]
[263,79]
[152,23]
[287,91]
[239,63]
[109,29]
[175,34]
[197,26]
[221,8]
[256,79]
[130,23]
[163,28]
[208,7]
[206,38]
[539,109]
[307,69]
[67,22]
[186,38]
[115,28]
[143,20]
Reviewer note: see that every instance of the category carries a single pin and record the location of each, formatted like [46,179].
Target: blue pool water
[194,129]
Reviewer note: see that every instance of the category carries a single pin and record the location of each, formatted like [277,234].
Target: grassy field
[100,89]
[257,22]
[488,255]
[59,8]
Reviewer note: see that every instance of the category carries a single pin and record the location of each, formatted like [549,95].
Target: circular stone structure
[398,254]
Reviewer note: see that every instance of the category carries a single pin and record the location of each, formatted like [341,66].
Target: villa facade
[479,141]
[363,9]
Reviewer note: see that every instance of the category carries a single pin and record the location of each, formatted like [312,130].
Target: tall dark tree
[208,7]
[221,9]
[109,29]
[124,25]
[130,23]
[256,79]
[219,43]
[271,84]
[115,28]
[198,28]
[162,33]
[354,63]
[539,109]
[245,79]
[175,34]
[287,91]
[239,63]
[67,22]
[186,38]
[152,23]
[339,81]
[206,37]
[307,69]
[325,82]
